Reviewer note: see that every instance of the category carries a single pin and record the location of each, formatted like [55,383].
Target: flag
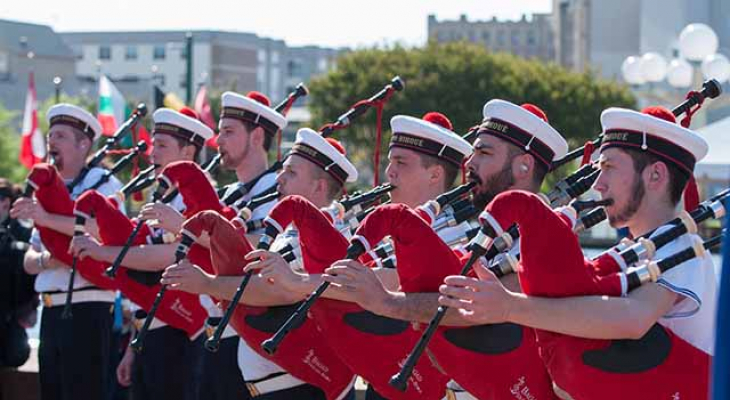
[112,107]
[33,144]
[169,100]
[202,107]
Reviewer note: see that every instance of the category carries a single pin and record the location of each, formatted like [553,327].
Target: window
[184,52]
[531,38]
[105,53]
[322,64]
[486,36]
[183,81]
[274,57]
[515,38]
[500,38]
[130,53]
[472,36]
[158,53]
[293,68]
[262,56]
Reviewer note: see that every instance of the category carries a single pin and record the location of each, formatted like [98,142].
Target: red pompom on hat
[189,112]
[260,97]
[661,113]
[438,119]
[536,110]
[337,145]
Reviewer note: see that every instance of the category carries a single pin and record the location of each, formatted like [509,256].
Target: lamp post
[57,86]
[698,59]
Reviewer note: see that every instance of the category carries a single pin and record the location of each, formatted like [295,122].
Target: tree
[457,79]
[10,168]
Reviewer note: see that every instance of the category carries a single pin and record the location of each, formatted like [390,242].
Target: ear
[656,176]
[436,174]
[257,137]
[523,166]
[189,152]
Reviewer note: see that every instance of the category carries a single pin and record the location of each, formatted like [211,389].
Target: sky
[328,23]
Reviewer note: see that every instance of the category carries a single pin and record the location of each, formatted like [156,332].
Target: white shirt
[251,364]
[693,318]
[262,211]
[56,279]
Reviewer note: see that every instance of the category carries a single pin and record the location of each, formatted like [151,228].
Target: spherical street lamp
[697,41]
[653,67]
[631,70]
[716,66]
[679,73]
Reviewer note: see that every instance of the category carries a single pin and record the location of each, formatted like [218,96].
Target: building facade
[221,60]
[529,38]
[28,47]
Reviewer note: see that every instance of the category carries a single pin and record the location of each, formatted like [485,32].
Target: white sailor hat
[254,108]
[71,115]
[173,123]
[327,154]
[655,131]
[526,127]
[432,135]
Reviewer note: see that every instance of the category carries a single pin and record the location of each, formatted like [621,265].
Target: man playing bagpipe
[513,149]
[316,169]
[169,356]
[596,341]
[74,351]
[425,157]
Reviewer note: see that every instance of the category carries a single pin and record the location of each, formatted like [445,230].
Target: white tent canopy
[716,165]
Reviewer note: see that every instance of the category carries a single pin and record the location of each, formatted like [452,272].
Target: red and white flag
[202,107]
[33,144]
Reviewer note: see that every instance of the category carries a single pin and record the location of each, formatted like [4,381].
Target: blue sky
[321,22]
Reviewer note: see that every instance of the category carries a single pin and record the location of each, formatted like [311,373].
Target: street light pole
[189,68]
[57,85]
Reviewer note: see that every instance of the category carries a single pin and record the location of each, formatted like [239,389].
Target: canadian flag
[33,144]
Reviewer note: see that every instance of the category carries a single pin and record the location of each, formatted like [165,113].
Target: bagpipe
[370,344]
[139,113]
[308,357]
[45,183]
[191,182]
[552,265]
[180,310]
[198,195]
[350,210]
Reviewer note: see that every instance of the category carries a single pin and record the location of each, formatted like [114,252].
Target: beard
[623,215]
[230,162]
[494,185]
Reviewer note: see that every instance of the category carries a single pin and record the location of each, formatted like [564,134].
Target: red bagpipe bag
[373,346]
[497,361]
[198,195]
[305,353]
[53,196]
[661,365]
[178,309]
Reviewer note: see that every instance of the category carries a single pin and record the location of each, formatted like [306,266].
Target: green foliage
[10,168]
[458,79]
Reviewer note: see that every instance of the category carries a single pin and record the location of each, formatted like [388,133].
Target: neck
[647,218]
[251,167]
[428,193]
[527,185]
[71,169]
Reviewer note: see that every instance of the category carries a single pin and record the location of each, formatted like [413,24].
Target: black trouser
[74,353]
[301,392]
[164,368]
[220,377]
